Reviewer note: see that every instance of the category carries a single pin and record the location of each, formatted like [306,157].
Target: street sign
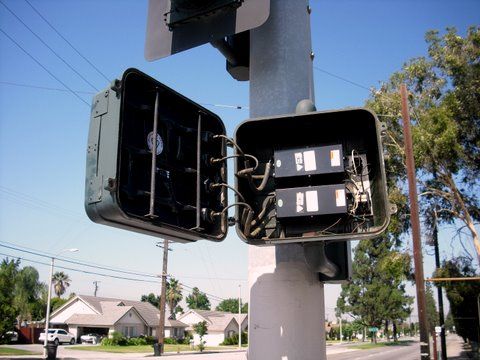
[178,25]
[373,329]
[438,329]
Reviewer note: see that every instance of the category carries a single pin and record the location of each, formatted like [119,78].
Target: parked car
[11,336]
[58,336]
[91,338]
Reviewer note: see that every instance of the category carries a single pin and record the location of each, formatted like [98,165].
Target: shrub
[233,340]
[150,340]
[187,338]
[170,341]
[116,338]
[137,341]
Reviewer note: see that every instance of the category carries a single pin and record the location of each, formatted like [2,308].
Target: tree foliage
[201,329]
[231,305]
[198,300]
[462,295]
[27,299]
[8,312]
[432,313]
[61,282]
[376,293]
[173,295]
[151,298]
[444,96]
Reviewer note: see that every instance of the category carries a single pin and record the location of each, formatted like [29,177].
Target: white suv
[58,336]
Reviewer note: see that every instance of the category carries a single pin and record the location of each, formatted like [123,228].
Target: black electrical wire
[43,67]
[213,161]
[229,187]
[48,46]
[68,42]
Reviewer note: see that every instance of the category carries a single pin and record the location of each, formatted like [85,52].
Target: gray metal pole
[47,316]
[239,316]
[286,306]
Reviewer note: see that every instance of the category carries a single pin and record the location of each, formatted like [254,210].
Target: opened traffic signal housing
[157,164]
[121,188]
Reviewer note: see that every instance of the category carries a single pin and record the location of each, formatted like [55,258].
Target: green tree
[173,295]
[27,299]
[432,313]
[151,298]
[444,94]
[462,295]
[61,282]
[377,291]
[231,305]
[8,312]
[198,300]
[201,329]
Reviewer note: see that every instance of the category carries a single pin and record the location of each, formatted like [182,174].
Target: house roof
[110,310]
[111,315]
[216,320]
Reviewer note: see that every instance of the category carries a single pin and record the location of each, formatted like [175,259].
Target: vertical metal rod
[199,157]
[47,316]
[163,295]
[443,342]
[415,222]
[154,157]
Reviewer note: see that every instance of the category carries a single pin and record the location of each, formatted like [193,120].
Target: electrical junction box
[311,200]
[157,165]
[310,161]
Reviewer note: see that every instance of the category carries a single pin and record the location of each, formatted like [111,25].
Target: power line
[78,270]
[44,87]
[48,46]
[342,78]
[41,87]
[99,267]
[68,42]
[43,67]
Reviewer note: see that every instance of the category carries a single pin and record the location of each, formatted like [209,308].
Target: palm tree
[60,282]
[173,295]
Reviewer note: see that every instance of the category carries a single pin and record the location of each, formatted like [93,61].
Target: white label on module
[340,197]
[309,159]
[300,202]
[311,200]
[299,161]
[335,157]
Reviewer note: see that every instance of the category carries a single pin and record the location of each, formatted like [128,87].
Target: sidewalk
[458,350]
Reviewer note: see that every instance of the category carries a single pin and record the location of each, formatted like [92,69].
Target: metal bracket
[318,261]
[100,104]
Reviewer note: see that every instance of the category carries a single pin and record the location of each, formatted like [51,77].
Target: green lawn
[145,348]
[12,351]
[380,344]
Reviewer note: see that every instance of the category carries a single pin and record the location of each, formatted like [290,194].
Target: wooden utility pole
[415,222]
[163,295]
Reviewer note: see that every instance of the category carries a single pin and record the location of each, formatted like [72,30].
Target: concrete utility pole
[286,307]
[415,221]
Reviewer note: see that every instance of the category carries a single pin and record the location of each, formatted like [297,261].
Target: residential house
[90,314]
[220,324]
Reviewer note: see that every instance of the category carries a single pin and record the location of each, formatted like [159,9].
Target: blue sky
[43,133]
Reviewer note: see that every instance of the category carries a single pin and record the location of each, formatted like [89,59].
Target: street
[407,351]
